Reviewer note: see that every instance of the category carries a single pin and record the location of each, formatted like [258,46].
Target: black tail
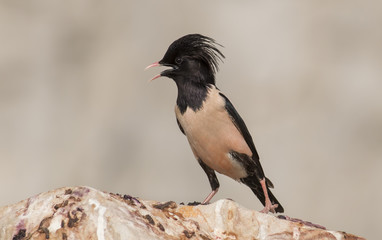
[256,188]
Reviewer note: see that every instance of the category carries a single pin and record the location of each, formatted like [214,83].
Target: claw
[269,208]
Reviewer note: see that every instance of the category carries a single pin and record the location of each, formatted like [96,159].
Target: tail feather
[256,188]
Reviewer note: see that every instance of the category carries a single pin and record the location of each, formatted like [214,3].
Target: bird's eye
[178,60]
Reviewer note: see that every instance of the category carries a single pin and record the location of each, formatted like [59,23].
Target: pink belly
[212,135]
[213,148]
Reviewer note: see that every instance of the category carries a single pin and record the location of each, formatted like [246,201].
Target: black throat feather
[194,61]
[191,94]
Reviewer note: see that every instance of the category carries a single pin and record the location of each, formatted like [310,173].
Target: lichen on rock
[87,213]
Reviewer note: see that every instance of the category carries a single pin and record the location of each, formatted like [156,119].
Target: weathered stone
[86,213]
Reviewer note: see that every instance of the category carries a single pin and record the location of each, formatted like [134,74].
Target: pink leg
[210,196]
[268,204]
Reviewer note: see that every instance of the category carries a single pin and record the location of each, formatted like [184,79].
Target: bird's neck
[191,95]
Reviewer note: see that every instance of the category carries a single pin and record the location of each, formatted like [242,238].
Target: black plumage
[217,134]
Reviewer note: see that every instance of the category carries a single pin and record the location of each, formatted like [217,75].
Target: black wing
[240,125]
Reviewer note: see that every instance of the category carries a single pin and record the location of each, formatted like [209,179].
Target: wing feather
[240,125]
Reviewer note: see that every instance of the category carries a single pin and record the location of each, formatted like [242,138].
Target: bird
[217,135]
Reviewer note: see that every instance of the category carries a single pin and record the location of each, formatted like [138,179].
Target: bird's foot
[210,196]
[269,208]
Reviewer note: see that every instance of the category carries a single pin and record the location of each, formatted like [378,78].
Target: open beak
[156,64]
[163,73]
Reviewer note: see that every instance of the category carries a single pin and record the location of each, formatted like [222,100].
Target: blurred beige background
[76,107]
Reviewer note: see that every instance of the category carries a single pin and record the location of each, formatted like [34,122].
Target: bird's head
[193,57]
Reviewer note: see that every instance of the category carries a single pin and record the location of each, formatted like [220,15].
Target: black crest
[196,46]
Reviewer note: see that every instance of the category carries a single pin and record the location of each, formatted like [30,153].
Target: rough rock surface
[86,213]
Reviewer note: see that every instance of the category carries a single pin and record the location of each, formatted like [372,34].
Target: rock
[87,213]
